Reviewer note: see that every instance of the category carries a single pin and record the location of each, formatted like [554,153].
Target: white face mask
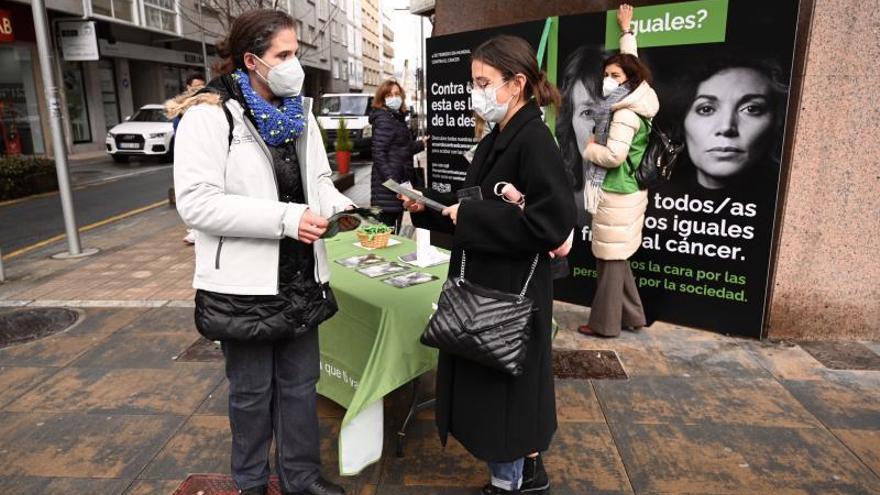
[608,86]
[485,104]
[285,79]
[393,103]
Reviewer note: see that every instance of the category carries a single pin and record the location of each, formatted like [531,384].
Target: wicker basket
[378,240]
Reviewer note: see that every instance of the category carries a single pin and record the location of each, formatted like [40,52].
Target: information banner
[706,248]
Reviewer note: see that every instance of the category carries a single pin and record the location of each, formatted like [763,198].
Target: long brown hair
[636,71]
[512,55]
[251,32]
[384,90]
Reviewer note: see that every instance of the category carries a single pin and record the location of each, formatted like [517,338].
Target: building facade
[355,46]
[145,51]
[372,40]
[386,58]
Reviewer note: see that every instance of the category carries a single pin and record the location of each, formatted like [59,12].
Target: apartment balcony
[387,33]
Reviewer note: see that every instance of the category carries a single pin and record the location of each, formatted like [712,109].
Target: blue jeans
[507,475]
[272,391]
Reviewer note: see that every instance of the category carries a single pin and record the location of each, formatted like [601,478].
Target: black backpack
[659,159]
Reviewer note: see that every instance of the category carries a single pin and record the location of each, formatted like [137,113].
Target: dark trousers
[617,303]
[272,390]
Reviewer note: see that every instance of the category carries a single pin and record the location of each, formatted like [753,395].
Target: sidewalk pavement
[105,407]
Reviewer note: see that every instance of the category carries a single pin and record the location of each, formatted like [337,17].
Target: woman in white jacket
[612,194]
[252,179]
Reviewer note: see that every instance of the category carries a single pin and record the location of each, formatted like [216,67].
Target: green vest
[622,179]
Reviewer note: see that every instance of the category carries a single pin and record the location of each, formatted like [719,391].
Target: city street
[104,190]
[101,191]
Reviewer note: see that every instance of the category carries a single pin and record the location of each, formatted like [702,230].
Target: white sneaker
[190,237]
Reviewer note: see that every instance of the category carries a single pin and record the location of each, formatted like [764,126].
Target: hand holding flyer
[413,195]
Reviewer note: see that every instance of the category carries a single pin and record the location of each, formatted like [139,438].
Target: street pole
[44,50]
[204,49]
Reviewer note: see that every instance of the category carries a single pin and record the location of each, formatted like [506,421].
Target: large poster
[722,71]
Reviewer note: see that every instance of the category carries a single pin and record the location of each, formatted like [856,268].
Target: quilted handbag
[488,326]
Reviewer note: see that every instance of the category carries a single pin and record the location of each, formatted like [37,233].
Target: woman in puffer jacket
[393,150]
[611,193]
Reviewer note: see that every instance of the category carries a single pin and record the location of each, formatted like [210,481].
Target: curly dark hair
[251,32]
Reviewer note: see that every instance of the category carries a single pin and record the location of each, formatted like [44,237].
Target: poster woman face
[583,114]
[728,125]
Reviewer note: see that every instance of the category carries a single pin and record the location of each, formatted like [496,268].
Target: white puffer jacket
[228,194]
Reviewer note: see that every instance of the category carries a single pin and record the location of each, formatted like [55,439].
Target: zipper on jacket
[217,257]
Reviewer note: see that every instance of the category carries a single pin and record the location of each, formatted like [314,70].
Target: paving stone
[846,401]
[576,402]
[122,391]
[786,361]
[153,487]
[80,445]
[583,459]
[30,485]
[864,443]
[138,350]
[202,445]
[63,348]
[433,466]
[217,402]
[726,459]
[15,381]
[164,320]
[699,400]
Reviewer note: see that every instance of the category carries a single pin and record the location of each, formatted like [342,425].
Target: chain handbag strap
[522,293]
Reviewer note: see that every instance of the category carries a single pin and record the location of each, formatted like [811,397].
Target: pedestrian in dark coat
[393,149]
[502,419]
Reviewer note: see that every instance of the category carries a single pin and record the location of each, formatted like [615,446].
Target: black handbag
[488,326]
[659,159]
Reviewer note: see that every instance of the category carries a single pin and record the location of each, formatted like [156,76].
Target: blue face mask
[393,103]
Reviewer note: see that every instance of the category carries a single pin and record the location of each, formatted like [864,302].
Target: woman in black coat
[393,150]
[502,419]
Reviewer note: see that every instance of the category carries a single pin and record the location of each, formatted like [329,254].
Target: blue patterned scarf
[277,125]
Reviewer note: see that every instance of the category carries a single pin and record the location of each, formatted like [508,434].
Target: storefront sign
[151,53]
[79,42]
[707,239]
[7,34]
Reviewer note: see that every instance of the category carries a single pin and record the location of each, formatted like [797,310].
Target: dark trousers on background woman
[272,390]
[617,303]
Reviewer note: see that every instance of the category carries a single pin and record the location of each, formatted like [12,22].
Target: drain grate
[201,351]
[843,355]
[587,364]
[217,484]
[18,326]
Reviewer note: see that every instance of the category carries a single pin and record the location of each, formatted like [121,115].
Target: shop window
[77,103]
[20,129]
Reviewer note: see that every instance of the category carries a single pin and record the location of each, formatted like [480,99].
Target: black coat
[393,150]
[495,416]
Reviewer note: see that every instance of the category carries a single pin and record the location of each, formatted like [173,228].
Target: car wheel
[120,158]
[168,157]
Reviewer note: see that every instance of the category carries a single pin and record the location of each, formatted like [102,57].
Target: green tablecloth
[371,346]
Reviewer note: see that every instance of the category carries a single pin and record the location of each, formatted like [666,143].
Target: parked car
[355,109]
[146,133]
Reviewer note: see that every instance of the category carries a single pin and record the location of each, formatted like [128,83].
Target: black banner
[705,255]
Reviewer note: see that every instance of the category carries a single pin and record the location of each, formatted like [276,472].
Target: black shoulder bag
[484,325]
[659,160]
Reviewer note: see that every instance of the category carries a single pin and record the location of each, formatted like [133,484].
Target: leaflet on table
[413,195]
[410,279]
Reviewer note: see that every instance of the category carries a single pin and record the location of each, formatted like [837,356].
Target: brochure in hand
[348,220]
[413,195]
